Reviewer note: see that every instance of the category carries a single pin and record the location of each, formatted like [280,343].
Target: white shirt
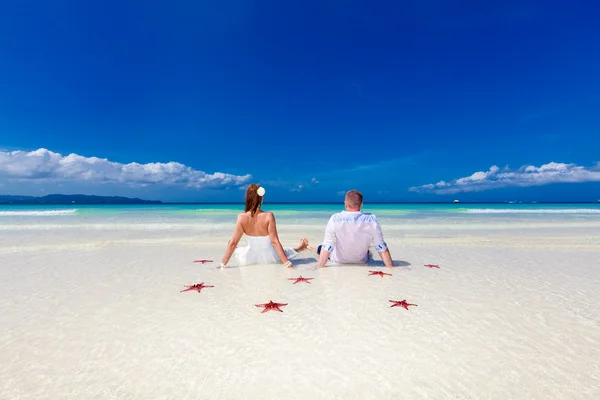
[349,235]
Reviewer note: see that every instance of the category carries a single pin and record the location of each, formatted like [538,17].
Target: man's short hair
[354,198]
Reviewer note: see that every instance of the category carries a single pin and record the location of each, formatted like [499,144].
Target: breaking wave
[30,213]
[534,211]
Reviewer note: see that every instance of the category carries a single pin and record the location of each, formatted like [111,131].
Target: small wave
[30,213]
[534,211]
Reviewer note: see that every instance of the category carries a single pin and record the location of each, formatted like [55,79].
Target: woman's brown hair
[253,200]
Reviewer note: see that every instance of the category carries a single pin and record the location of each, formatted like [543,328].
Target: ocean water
[93,224]
[113,325]
[173,215]
[92,306]
[289,208]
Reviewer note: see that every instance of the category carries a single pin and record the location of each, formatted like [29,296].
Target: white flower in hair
[260,191]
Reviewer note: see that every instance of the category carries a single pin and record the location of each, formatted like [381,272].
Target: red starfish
[202,261]
[300,279]
[432,265]
[381,274]
[402,303]
[271,306]
[197,287]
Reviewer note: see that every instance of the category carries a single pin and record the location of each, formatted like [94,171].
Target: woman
[263,242]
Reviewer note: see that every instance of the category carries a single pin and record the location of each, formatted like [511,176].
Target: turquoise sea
[29,228]
[312,209]
[164,215]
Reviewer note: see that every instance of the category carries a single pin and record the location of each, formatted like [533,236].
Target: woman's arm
[235,239]
[272,227]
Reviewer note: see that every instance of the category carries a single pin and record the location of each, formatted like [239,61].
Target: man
[349,235]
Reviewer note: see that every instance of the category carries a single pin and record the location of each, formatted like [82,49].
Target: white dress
[260,251]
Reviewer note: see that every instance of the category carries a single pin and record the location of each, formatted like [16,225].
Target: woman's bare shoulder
[264,217]
[268,215]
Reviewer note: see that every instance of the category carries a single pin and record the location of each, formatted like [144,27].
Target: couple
[348,235]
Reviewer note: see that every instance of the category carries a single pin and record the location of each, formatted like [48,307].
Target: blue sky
[308,99]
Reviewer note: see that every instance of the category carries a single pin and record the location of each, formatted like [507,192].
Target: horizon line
[159,203]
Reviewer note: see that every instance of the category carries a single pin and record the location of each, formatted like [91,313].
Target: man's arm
[327,245]
[381,246]
[387,258]
[323,257]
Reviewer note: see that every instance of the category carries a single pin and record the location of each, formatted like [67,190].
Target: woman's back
[257,225]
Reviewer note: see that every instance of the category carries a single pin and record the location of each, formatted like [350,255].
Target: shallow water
[91,309]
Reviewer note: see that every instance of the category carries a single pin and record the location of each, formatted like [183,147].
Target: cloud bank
[527,175]
[48,166]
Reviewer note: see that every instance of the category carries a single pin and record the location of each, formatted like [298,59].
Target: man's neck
[352,210]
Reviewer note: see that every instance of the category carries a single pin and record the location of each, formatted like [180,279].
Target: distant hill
[72,199]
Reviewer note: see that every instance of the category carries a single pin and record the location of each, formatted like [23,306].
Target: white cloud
[298,188]
[48,166]
[315,181]
[527,175]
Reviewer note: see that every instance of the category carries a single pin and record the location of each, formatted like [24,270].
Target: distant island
[63,199]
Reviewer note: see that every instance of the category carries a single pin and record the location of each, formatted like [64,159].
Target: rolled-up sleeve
[378,241]
[329,240]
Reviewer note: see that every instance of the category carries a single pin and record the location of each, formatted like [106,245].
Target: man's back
[349,235]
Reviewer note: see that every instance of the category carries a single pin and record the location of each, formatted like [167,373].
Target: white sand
[509,315]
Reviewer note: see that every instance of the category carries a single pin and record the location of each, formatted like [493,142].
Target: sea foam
[33,213]
[533,211]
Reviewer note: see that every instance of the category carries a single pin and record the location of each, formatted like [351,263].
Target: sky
[427,100]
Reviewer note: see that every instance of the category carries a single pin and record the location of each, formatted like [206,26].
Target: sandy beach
[97,313]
